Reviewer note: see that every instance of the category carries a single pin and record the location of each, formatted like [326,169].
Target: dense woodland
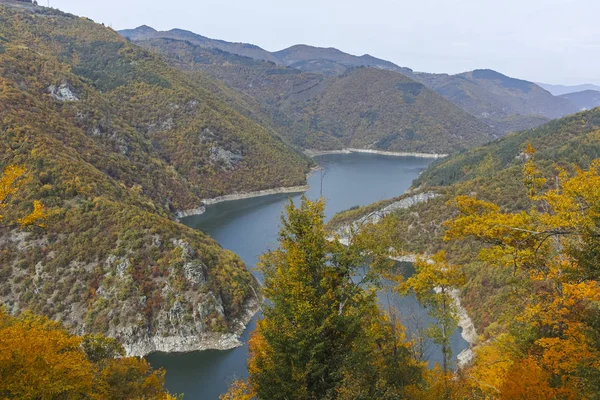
[113,142]
[502,104]
[529,274]
[519,216]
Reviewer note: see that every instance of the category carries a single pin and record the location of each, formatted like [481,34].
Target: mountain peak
[145,28]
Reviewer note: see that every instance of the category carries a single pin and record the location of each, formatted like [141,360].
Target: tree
[322,335]
[552,348]
[10,182]
[39,359]
[433,282]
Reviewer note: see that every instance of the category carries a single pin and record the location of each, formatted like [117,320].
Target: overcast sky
[551,41]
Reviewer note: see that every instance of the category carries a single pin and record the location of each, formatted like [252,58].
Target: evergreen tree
[322,335]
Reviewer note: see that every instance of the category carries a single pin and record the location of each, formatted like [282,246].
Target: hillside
[114,142]
[328,61]
[493,173]
[374,108]
[315,111]
[585,100]
[504,103]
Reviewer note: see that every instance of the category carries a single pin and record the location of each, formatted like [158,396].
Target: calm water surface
[249,228]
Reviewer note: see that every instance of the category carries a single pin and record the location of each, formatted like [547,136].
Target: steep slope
[114,141]
[558,90]
[364,107]
[330,61]
[505,103]
[493,173]
[243,49]
[585,100]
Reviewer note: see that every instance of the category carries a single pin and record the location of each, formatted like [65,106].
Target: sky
[550,41]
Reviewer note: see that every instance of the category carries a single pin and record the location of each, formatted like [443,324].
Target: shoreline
[316,153]
[196,342]
[468,331]
[238,196]
[201,209]
[245,195]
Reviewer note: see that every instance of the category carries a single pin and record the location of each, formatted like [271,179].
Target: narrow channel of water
[249,227]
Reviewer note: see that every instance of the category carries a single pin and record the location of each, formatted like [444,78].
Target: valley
[446,246]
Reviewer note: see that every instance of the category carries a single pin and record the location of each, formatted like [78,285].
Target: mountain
[558,90]
[375,108]
[506,104]
[330,61]
[115,141]
[145,32]
[585,100]
[363,107]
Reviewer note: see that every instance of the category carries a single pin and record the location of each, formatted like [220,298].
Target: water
[249,227]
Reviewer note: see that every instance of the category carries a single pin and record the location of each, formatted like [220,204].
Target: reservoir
[249,227]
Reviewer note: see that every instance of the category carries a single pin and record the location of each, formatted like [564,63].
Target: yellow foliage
[559,354]
[11,181]
[38,214]
[41,360]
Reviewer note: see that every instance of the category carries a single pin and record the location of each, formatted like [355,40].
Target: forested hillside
[363,107]
[491,173]
[519,216]
[502,103]
[113,142]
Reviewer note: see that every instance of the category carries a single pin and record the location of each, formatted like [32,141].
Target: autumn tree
[433,283]
[13,178]
[322,335]
[39,359]
[552,348]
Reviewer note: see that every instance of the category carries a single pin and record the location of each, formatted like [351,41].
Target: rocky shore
[238,196]
[194,342]
[468,332]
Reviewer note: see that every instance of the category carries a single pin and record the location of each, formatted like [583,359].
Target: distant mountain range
[502,103]
[558,90]
[585,100]
[359,107]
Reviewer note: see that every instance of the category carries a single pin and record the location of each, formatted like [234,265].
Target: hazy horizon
[549,41]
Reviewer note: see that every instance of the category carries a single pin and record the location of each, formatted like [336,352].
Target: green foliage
[493,173]
[322,335]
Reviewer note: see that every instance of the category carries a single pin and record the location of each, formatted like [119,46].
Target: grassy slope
[112,167]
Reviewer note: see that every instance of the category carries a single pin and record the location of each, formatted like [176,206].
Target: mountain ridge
[492,97]
[585,100]
[411,116]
